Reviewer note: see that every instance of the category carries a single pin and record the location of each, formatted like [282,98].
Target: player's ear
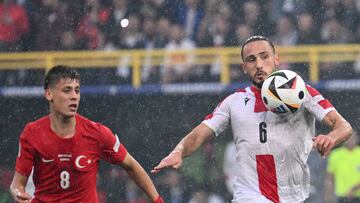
[48,95]
[242,67]
[277,59]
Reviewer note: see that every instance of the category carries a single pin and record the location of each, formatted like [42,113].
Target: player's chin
[258,83]
[70,113]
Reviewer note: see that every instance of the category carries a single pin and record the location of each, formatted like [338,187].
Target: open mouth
[73,107]
[260,74]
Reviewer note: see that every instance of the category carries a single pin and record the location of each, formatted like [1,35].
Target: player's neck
[64,127]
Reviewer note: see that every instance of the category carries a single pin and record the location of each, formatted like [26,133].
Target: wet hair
[60,72]
[256,38]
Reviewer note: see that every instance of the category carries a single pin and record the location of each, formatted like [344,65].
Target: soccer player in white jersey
[271,150]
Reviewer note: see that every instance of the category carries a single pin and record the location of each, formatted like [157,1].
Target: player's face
[65,97]
[259,61]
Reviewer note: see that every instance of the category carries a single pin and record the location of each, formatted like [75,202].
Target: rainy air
[179,101]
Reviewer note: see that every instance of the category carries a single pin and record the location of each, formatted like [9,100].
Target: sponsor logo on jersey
[64,157]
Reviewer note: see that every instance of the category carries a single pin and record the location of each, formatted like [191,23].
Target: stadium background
[151,119]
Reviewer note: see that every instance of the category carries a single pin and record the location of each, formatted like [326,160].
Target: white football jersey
[271,149]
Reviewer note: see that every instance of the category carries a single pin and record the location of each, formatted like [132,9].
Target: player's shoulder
[312,91]
[242,92]
[38,124]
[94,128]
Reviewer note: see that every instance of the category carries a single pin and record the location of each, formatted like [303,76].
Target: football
[283,92]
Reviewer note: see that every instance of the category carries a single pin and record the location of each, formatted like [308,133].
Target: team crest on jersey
[83,162]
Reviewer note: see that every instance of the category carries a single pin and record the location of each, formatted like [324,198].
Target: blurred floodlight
[124,22]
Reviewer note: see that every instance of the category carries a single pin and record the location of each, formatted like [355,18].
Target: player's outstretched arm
[17,189]
[188,145]
[341,131]
[141,178]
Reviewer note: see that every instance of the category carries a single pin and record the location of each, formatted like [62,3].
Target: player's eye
[250,59]
[265,56]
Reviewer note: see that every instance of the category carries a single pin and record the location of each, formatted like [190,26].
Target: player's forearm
[192,141]
[142,179]
[342,130]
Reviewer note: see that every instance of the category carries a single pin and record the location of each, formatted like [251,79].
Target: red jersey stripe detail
[325,104]
[240,90]
[265,165]
[259,104]
[313,92]
[208,116]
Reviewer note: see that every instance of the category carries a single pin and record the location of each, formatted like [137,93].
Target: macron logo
[246,100]
[47,160]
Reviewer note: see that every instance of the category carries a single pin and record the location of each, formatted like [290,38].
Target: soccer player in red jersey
[271,150]
[65,148]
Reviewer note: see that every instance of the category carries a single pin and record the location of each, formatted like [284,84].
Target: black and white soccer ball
[283,92]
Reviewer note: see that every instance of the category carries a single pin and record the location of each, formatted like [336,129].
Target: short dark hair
[58,72]
[256,38]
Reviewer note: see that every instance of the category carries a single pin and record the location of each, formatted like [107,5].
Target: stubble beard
[258,84]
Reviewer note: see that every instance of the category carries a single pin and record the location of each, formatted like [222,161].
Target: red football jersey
[65,169]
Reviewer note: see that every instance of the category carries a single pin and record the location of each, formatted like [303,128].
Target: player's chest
[81,154]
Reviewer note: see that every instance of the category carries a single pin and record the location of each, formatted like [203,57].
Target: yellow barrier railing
[313,55]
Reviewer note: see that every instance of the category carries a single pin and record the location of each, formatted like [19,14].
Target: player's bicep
[332,118]
[219,119]
[26,154]
[111,149]
[316,104]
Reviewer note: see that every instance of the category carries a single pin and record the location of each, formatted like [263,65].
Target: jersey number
[262,132]
[64,179]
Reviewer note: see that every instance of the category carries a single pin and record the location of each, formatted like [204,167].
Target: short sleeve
[219,119]
[26,154]
[111,150]
[316,104]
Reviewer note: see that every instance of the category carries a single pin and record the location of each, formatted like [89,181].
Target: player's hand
[323,144]
[21,197]
[174,160]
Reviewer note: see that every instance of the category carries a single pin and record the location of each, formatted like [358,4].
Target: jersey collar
[259,104]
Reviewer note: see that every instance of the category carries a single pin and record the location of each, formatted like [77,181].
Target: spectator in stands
[242,32]
[150,72]
[53,20]
[162,32]
[349,15]
[333,32]
[172,187]
[308,33]
[14,24]
[254,17]
[68,41]
[203,195]
[286,33]
[177,67]
[343,173]
[88,31]
[189,17]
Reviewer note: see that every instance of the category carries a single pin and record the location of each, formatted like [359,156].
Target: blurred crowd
[46,25]
[42,25]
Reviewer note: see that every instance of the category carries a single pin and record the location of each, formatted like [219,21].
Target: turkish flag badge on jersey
[84,162]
